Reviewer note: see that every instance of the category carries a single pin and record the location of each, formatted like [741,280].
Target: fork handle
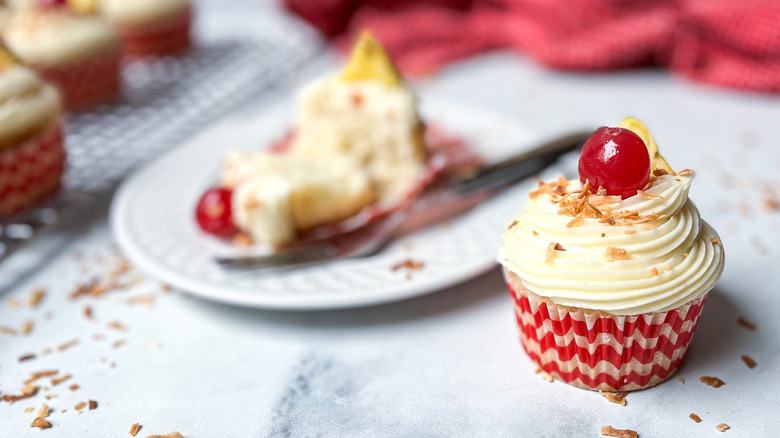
[519,166]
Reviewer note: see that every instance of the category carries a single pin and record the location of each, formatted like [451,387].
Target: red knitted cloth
[723,42]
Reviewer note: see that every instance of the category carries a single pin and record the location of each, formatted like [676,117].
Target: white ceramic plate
[153,221]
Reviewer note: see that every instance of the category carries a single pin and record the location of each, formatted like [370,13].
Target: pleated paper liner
[85,83]
[161,37]
[598,350]
[31,171]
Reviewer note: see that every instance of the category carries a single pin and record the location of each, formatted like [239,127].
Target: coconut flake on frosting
[666,255]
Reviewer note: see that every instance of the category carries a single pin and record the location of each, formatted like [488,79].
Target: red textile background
[732,43]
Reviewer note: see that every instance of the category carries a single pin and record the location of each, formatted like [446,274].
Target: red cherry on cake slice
[615,159]
[214,212]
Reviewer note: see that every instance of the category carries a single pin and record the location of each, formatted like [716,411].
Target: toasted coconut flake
[576,221]
[615,254]
[118,343]
[40,423]
[38,374]
[695,418]
[134,429]
[80,405]
[654,272]
[660,172]
[116,325]
[29,409]
[715,240]
[630,232]
[27,392]
[512,225]
[722,427]
[167,435]
[27,327]
[93,405]
[25,357]
[547,377]
[44,411]
[50,396]
[73,386]
[66,345]
[534,233]
[603,235]
[615,397]
[645,195]
[747,324]
[558,247]
[749,362]
[87,310]
[58,380]
[685,172]
[667,268]
[681,380]
[8,330]
[409,264]
[619,433]
[712,381]
[771,204]
[36,296]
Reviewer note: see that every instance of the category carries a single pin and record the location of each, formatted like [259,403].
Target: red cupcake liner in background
[601,351]
[31,171]
[162,37]
[86,83]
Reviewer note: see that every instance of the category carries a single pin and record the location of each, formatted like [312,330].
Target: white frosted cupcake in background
[150,27]
[69,46]
[610,273]
[357,142]
[32,155]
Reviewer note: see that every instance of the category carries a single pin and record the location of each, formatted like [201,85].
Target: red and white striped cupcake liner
[31,171]
[85,83]
[601,351]
[163,37]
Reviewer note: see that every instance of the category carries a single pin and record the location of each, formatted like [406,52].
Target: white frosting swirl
[670,260]
[142,11]
[27,104]
[52,37]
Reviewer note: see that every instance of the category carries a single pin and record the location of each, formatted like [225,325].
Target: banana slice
[656,160]
[369,62]
[7,58]
[86,7]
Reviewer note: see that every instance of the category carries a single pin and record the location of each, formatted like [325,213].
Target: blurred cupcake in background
[32,155]
[150,27]
[69,45]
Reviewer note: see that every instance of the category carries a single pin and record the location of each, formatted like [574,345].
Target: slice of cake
[358,141]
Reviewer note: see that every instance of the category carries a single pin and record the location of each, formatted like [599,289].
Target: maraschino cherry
[615,159]
[214,212]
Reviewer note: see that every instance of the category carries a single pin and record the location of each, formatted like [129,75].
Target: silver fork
[369,239]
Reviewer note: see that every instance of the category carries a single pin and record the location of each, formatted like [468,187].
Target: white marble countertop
[448,364]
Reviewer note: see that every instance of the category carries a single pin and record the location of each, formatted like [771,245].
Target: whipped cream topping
[52,37]
[128,12]
[653,260]
[27,105]
[374,123]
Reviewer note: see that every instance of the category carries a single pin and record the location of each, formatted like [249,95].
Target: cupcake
[32,155]
[150,27]
[357,143]
[610,273]
[68,46]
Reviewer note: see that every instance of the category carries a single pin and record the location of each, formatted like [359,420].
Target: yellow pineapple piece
[369,62]
[7,59]
[86,7]
[656,160]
